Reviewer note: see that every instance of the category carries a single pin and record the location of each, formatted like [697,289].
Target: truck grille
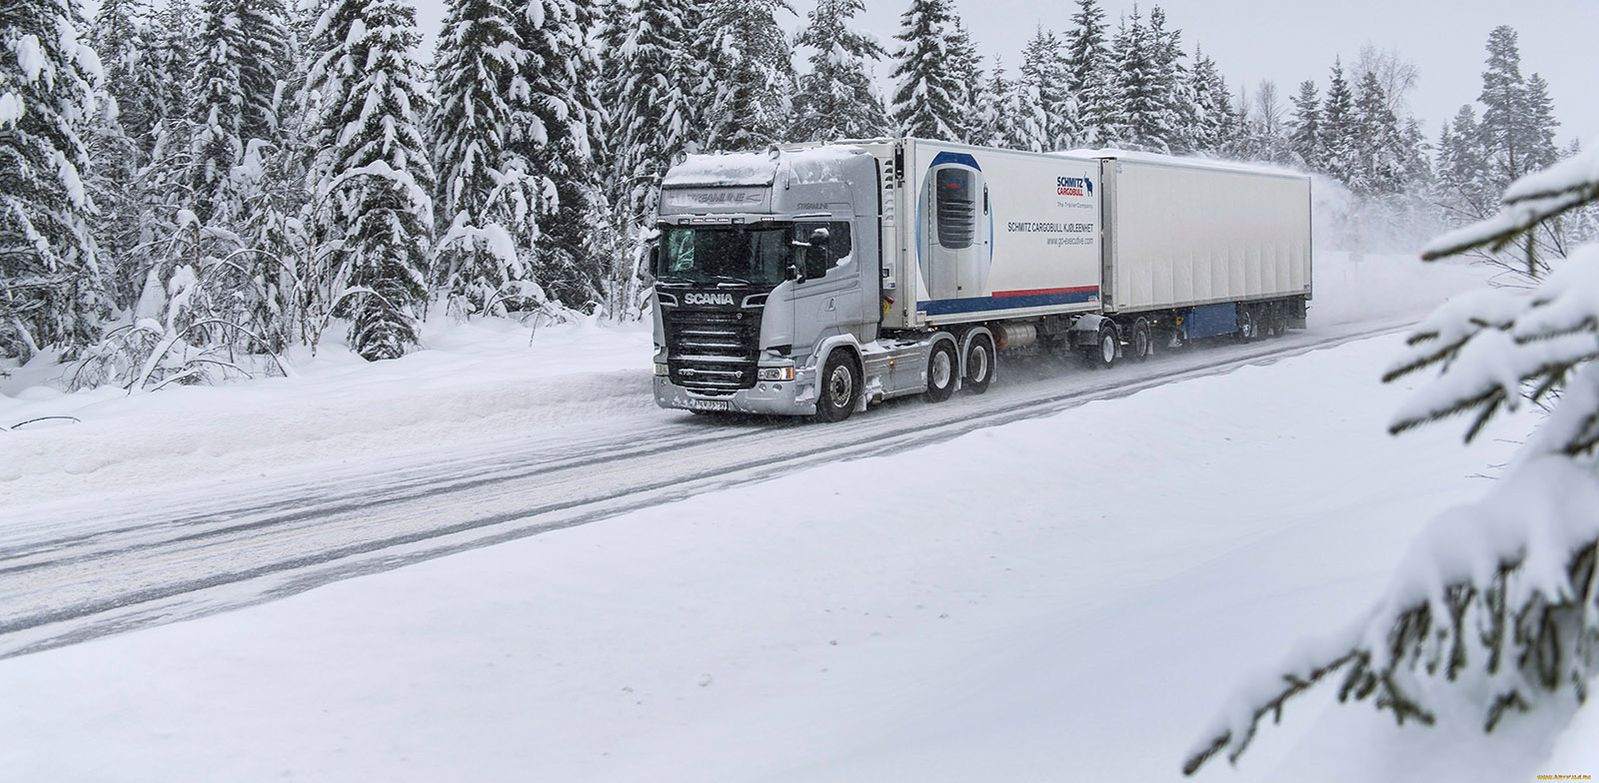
[712,351]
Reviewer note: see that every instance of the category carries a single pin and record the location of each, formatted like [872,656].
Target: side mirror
[821,236]
[795,272]
[655,259]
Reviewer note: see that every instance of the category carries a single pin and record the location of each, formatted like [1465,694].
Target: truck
[819,279]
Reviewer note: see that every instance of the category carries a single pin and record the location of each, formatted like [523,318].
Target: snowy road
[77,569]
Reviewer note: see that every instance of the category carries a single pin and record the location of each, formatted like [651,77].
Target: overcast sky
[1289,41]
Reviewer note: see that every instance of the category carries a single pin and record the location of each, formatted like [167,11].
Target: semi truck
[818,279]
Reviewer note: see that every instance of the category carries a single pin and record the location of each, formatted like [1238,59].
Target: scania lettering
[815,280]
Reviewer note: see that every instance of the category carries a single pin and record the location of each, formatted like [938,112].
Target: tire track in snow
[65,589]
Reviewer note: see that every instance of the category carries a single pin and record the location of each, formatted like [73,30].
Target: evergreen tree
[1087,68]
[561,74]
[928,99]
[1145,110]
[1212,121]
[1462,159]
[1339,128]
[1379,154]
[372,221]
[49,279]
[991,121]
[1022,122]
[1540,124]
[1504,100]
[481,195]
[969,74]
[1170,76]
[244,57]
[123,37]
[1305,136]
[836,100]
[752,76]
[1044,74]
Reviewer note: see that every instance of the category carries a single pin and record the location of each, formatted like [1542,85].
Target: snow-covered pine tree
[991,117]
[1213,120]
[244,59]
[49,280]
[1497,606]
[1540,124]
[124,39]
[561,75]
[969,73]
[371,219]
[1145,111]
[1043,73]
[1339,130]
[174,53]
[836,99]
[1022,122]
[1086,51]
[1304,133]
[655,115]
[1170,76]
[1379,154]
[929,94]
[479,60]
[1504,100]
[751,76]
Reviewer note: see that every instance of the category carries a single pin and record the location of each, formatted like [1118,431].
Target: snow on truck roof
[1211,164]
[821,162]
[747,169]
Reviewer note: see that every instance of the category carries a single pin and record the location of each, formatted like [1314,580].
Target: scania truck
[817,279]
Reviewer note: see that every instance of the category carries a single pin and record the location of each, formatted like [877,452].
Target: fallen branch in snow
[21,424]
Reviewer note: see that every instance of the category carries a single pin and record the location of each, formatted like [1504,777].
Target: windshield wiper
[674,281]
[729,280]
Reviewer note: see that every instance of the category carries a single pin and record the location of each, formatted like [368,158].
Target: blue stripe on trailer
[981,303]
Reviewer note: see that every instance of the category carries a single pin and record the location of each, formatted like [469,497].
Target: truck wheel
[1279,321]
[980,361]
[1142,342]
[1248,325]
[1102,354]
[837,387]
[941,368]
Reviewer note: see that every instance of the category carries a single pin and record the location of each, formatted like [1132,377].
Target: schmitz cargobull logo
[708,299]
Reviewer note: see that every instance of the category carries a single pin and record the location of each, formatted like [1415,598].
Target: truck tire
[980,362]
[1279,320]
[1107,346]
[1248,325]
[1141,343]
[942,367]
[838,387]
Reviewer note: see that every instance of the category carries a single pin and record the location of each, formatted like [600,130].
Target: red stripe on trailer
[1082,289]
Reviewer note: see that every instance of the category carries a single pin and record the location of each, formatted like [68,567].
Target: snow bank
[476,382]
[1029,610]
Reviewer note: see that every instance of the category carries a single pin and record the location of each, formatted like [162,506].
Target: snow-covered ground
[1055,599]
[474,387]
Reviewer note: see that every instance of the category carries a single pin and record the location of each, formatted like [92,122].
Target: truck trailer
[817,279]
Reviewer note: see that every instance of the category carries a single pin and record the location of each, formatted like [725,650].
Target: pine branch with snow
[1498,600]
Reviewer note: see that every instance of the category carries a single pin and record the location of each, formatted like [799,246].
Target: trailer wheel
[941,368]
[837,387]
[1279,321]
[1142,341]
[980,361]
[1248,325]
[1102,354]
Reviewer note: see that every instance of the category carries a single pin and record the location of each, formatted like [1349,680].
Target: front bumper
[775,398]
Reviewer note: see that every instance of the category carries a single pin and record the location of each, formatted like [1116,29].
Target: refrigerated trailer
[818,279]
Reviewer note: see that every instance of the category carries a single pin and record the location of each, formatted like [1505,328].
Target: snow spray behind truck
[818,279]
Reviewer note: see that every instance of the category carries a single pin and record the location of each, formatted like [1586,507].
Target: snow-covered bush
[1498,599]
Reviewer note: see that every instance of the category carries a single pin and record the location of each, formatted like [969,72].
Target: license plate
[709,405]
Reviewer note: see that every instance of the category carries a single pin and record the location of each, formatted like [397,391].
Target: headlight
[777,373]
[661,369]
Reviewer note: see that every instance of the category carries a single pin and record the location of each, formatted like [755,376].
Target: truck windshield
[758,255]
